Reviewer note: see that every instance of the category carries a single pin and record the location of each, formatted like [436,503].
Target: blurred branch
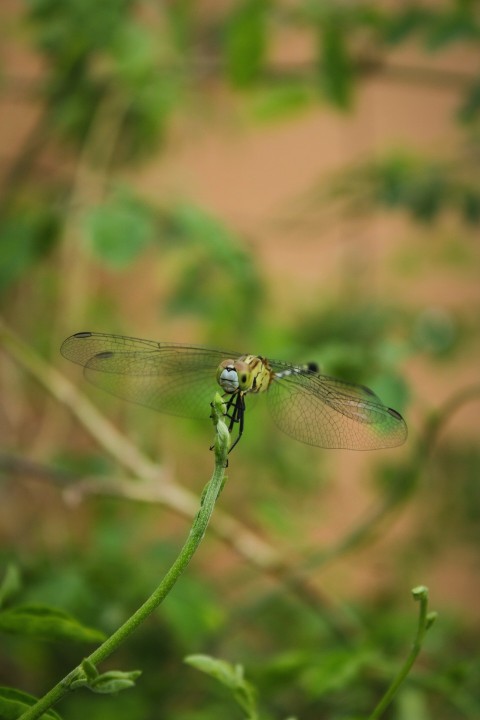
[439,418]
[368,66]
[157,487]
[15,465]
[209,67]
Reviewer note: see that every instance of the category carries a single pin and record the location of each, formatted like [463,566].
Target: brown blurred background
[296,180]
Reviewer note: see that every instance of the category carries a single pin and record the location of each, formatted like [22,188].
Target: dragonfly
[181,380]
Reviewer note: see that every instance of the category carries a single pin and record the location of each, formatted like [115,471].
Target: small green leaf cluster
[426,188]
[102,59]
[341,34]
[232,677]
[213,264]
[105,683]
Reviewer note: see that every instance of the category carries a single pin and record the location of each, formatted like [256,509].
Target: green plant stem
[200,523]
[425,620]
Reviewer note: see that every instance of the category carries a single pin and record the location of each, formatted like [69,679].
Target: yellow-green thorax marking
[250,373]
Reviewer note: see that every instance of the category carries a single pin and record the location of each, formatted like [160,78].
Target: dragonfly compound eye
[227,377]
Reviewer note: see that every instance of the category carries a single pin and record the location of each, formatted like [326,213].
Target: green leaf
[46,623]
[18,250]
[282,100]
[335,64]
[133,52]
[470,202]
[215,265]
[336,670]
[14,703]
[411,703]
[110,682]
[470,108]
[229,675]
[10,583]
[246,41]
[427,195]
[451,27]
[400,25]
[180,17]
[26,236]
[119,231]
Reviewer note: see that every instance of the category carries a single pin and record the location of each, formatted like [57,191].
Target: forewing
[170,378]
[326,412]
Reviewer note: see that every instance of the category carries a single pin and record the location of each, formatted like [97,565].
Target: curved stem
[200,523]
[425,620]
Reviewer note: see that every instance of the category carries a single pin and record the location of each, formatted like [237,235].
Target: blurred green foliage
[116,76]
[425,188]
[119,230]
[27,235]
[246,38]
[100,57]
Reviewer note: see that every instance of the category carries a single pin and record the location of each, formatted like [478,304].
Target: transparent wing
[174,379]
[326,412]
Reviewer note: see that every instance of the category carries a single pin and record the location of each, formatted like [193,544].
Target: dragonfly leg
[238,417]
[231,411]
[235,411]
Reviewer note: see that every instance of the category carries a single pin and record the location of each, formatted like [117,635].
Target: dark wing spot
[104,355]
[83,334]
[395,414]
[313,367]
[367,391]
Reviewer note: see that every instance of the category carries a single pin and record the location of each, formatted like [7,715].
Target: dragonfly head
[233,375]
